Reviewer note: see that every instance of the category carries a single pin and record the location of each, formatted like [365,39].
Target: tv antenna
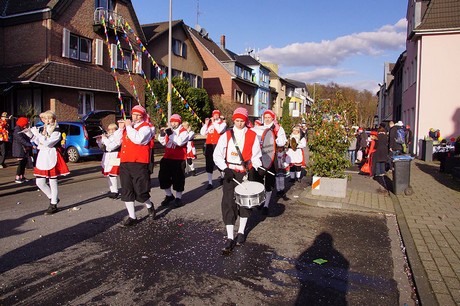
[198,13]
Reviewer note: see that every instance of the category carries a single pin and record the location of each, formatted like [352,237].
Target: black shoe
[52,209]
[152,212]
[167,200]
[209,187]
[194,172]
[265,211]
[291,180]
[128,222]
[240,239]
[221,181]
[228,247]
[178,202]
[113,195]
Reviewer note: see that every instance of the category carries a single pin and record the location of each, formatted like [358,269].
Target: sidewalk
[429,222]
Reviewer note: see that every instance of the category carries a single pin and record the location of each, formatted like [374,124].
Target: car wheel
[72,154]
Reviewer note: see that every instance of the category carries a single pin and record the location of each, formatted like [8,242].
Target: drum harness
[243,163]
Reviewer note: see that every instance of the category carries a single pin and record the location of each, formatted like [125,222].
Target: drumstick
[239,183]
[268,171]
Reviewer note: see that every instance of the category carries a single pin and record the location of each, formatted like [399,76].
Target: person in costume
[212,129]
[135,136]
[239,139]
[191,150]
[281,166]
[172,165]
[50,162]
[22,148]
[110,160]
[269,122]
[297,160]
[4,137]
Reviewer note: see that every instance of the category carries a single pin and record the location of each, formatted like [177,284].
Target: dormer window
[179,48]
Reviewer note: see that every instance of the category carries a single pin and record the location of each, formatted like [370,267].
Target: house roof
[209,44]
[61,75]
[8,7]
[441,15]
[153,31]
[297,84]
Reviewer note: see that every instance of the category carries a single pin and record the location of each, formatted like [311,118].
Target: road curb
[424,290]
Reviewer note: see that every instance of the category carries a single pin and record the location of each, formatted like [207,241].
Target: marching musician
[269,122]
[237,153]
[212,129]
[172,165]
[135,136]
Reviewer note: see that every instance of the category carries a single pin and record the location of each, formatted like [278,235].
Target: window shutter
[99,60]
[139,62]
[113,50]
[65,42]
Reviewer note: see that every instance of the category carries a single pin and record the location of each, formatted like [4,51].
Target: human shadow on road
[323,274]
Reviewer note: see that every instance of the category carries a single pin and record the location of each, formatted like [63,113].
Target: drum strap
[239,151]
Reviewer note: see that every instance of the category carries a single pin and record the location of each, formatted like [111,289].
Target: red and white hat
[270,112]
[216,111]
[240,113]
[139,109]
[175,118]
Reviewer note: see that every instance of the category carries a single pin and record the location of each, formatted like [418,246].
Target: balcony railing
[112,19]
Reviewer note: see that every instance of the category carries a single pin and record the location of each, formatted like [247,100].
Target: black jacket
[393,145]
[21,143]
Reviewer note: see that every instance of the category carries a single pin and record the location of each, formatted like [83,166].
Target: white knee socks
[130,208]
[113,184]
[41,184]
[268,196]
[209,178]
[230,231]
[242,226]
[50,191]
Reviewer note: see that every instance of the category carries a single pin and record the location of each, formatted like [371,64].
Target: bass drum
[268,148]
[249,194]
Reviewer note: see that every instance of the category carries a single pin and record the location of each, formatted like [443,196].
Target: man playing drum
[212,129]
[272,127]
[237,153]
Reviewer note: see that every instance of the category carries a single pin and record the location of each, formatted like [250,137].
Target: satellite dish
[203,32]
[198,28]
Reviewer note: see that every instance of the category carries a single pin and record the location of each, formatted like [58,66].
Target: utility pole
[169,61]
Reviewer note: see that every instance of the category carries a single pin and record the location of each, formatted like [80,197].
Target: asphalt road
[298,255]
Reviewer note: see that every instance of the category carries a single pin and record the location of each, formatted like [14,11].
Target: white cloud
[334,52]
[318,75]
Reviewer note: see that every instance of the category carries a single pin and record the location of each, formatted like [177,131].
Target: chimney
[222,42]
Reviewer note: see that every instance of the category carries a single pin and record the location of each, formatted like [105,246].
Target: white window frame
[99,59]
[66,36]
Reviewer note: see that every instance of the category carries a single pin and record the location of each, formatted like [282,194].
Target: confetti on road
[320,261]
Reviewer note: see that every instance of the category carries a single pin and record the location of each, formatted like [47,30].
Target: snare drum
[249,194]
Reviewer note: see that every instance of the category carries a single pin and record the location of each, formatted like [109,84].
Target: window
[125,63]
[85,102]
[238,71]
[105,4]
[179,48]
[239,96]
[249,99]
[76,47]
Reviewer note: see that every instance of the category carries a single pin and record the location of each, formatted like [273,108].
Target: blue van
[79,136]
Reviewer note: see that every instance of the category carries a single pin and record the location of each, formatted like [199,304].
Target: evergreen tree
[286,121]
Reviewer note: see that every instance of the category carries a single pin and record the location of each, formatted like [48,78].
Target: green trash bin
[401,173]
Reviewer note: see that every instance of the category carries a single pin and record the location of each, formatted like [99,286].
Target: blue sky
[346,42]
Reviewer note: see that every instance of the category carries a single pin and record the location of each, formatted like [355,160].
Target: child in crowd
[281,166]
[297,160]
[50,163]
[191,150]
[110,160]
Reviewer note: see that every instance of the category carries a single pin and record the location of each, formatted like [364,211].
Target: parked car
[79,136]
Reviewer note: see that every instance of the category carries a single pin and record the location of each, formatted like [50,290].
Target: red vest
[249,139]
[134,153]
[176,152]
[212,138]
